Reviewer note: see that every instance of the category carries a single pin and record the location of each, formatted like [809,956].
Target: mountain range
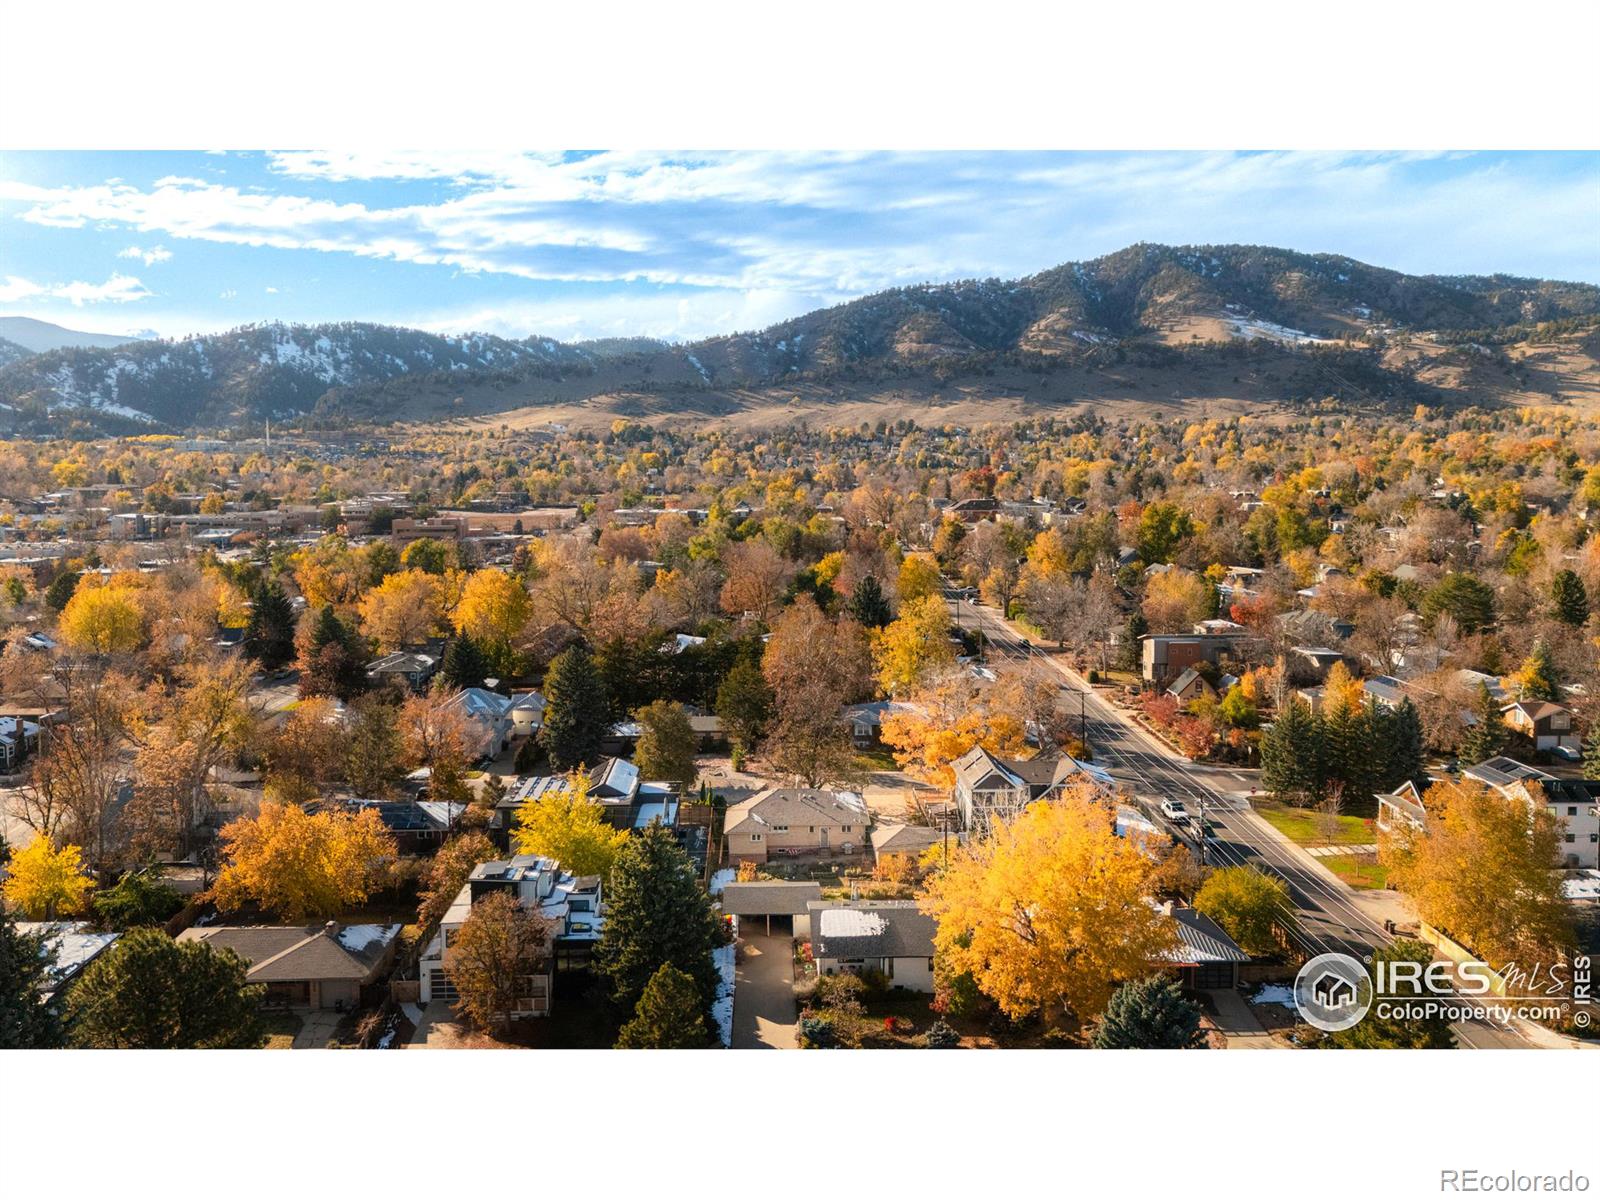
[1148,324]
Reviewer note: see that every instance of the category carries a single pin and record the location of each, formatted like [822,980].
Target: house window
[780,829]
[844,828]
[1572,810]
[755,837]
[577,905]
[1571,837]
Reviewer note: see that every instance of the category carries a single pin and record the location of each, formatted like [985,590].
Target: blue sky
[684,245]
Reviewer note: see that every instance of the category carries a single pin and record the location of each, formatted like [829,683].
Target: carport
[777,901]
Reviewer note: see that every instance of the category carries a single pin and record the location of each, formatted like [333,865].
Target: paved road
[764,1010]
[1326,915]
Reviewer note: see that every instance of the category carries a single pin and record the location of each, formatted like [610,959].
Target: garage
[775,906]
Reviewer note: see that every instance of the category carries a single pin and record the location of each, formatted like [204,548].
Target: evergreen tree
[575,714]
[464,665]
[1354,750]
[149,992]
[1150,1014]
[1131,649]
[26,1022]
[139,898]
[669,1015]
[744,702]
[1487,736]
[1293,755]
[1470,601]
[335,659]
[657,914]
[868,605]
[1591,753]
[1403,744]
[269,637]
[666,743]
[1570,597]
[60,590]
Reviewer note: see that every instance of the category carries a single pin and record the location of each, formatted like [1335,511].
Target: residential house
[1384,690]
[1401,810]
[1548,725]
[573,905]
[893,938]
[417,826]
[1189,686]
[988,787]
[627,800]
[487,718]
[767,899]
[1313,662]
[792,821]
[866,720]
[328,966]
[527,714]
[1206,956]
[907,841]
[1168,655]
[406,667]
[1575,803]
[70,946]
[19,737]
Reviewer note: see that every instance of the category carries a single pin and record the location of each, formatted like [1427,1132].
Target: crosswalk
[1334,851]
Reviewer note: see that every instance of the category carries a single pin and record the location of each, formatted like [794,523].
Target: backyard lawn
[1305,826]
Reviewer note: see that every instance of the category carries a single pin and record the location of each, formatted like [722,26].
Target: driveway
[764,1011]
[318,1025]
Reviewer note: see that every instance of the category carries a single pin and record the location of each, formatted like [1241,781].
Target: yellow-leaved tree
[912,645]
[1482,871]
[919,577]
[569,827]
[107,619]
[404,609]
[1051,912]
[303,866]
[493,607]
[45,882]
[943,720]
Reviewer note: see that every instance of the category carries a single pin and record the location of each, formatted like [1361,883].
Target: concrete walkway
[316,1028]
[1237,1023]
[764,1011]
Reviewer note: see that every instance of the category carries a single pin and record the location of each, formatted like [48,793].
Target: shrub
[1094,676]
[941,1036]
[817,1033]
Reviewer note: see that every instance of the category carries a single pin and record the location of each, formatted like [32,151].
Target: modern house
[1401,810]
[318,966]
[1575,803]
[527,714]
[418,826]
[792,821]
[1166,656]
[573,906]
[627,800]
[891,937]
[988,787]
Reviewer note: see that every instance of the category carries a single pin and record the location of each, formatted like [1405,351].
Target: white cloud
[118,289]
[155,254]
[229,294]
[272,291]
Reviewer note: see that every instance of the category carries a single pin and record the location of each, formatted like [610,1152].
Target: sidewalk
[1237,1023]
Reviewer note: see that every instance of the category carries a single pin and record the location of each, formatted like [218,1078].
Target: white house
[527,714]
[487,717]
[891,937]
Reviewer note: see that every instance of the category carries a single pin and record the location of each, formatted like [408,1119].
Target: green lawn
[1359,871]
[1304,825]
[878,758]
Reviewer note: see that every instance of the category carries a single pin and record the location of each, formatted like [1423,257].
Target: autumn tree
[45,881]
[919,577]
[447,873]
[27,1021]
[493,956]
[670,1015]
[148,992]
[105,619]
[945,719]
[1150,1014]
[1050,911]
[1162,526]
[404,610]
[433,734]
[1482,871]
[657,914]
[1538,679]
[576,710]
[915,643]
[814,666]
[302,866]
[564,824]
[306,754]
[494,607]
[666,745]
[1249,905]
[757,576]
[1174,601]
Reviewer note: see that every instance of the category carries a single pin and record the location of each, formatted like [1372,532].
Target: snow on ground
[695,363]
[721,879]
[722,1007]
[1274,993]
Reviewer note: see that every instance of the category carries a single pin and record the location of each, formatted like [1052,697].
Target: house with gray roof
[308,966]
[69,947]
[785,822]
[988,787]
[1206,957]
[766,899]
[892,937]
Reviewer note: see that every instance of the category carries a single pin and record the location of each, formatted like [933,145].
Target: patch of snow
[357,938]
[1274,993]
[722,1006]
[696,364]
[1081,335]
